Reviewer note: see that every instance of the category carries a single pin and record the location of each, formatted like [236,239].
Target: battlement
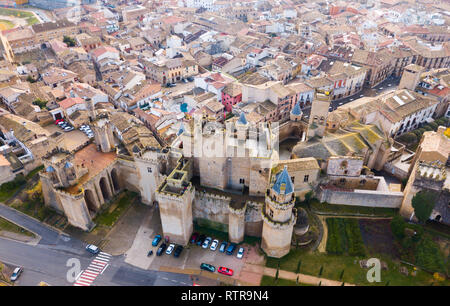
[280,225]
[434,171]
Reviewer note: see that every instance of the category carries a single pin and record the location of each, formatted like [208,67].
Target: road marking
[102,258]
[87,276]
[98,263]
[96,267]
[104,269]
[84,282]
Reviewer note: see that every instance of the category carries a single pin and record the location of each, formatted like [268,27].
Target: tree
[30,79]
[408,137]
[298,266]
[398,227]
[41,103]
[423,203]
[69,41]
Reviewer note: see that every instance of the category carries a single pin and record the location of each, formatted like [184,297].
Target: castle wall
[149,176]
[128,175]
[239,168]
[259,175]
[76,211]
[368,198]
[236,227]
[348,166]
[50,197]
[253,219]
[211,207]
[213,172]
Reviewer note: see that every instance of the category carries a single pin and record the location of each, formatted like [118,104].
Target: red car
[58,121]
[225,271]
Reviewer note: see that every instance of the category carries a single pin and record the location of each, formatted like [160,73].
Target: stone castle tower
[279,216]
[175,196]
[103,134]
[410,77]
[319,113]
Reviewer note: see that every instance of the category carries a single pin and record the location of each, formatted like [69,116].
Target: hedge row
[344,237]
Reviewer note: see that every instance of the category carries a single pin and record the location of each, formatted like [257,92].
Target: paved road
[47,261]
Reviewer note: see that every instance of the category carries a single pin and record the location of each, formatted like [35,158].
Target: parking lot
[72,139]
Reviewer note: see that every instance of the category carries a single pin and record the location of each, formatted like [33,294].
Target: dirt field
[377,237]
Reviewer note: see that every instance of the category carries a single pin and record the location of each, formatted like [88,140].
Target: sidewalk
[303,278]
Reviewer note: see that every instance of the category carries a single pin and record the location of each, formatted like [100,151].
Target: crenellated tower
[279,216]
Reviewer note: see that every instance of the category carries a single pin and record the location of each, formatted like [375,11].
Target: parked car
[61,122]
[206,242]
[178,251]
[184,80]
[16,273]
[193,238]
[214,245]
[68,129]
[200,240]
[240,253]
[208,267]
[223,247]
[58,121]
[225,271]
[161,249]
[190,79]
[170,249]
[156,240]
[230,249]
[92,249]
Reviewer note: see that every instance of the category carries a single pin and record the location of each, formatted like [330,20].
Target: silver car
[214,245]
[16,273]
[206,242]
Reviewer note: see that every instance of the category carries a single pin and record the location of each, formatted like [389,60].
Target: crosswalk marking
[97,266]
[90,273]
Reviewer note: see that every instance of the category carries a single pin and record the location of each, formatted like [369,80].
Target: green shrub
[398,227]
[429,256]
[433,125]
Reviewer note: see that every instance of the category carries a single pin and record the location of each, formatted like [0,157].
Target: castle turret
[319,113]
[410,77]
[296,113]
[279,216]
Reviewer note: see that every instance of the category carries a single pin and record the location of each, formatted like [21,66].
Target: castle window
[306,178]
[292,178]
[270,213]
[241,181]
[149,170]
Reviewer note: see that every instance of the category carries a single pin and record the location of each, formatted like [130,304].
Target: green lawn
[349,210]
[8,24]
[5,225]
[333,265]
[7,190]
[112,213]
[15,13]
